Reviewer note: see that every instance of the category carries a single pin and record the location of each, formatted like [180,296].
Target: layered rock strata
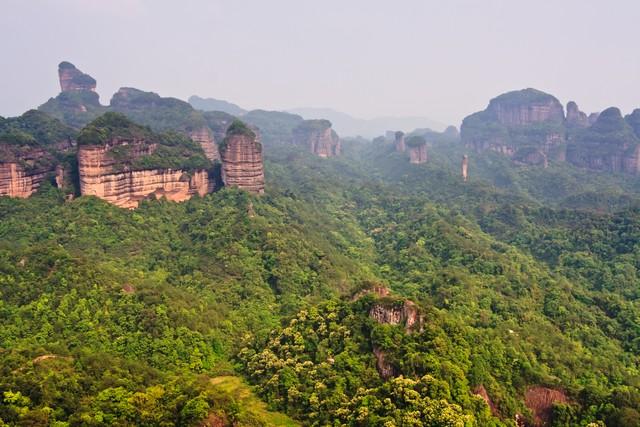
[527,125]
[242,163]
[319,137]
[204,137]
[610,144]
[100,176]
[73,79]
[417,148]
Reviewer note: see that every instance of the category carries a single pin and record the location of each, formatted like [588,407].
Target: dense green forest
[523,277]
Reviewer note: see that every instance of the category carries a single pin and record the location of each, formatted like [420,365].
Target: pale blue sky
[441,59]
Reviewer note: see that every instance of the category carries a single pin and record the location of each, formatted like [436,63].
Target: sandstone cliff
[204,137]
[73,79]
[389,310]
[610,144]
[124,163]
[318,136]
[78,103]
[33,149]
[242,164]
[417,148]
[527,125]
[575,117]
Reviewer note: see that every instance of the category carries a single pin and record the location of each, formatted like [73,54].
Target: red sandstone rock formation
[540,401]
[101,175]
[319,137]
[399,142]
[385,369]
[15,181]
[575,117]
[526,107]
[242,164]
[403,313]
[73,79]
[417,148]
[482,392]
[527,125]
[204,137]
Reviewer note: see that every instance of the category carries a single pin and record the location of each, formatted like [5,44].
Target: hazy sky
[442,59]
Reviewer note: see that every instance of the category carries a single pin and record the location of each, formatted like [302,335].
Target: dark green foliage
[159,113]
[275,127]
[34,128]
[74,108]
[517,288]
[173,150]
[415,141]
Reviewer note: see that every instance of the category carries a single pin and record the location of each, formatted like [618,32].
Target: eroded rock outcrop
[73,79]
[417,148]
[540,401]
[242,163]
[32,149]
[123,163]
[78,103]
[575,117]
[610,144]
[389,310]
[399,142]
[527,125]
[318,136]
[204,137]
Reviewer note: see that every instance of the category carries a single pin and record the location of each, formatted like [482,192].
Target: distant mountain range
[347,125]
[343,123]
[212,104]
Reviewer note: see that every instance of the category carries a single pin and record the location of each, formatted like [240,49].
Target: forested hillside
[524,278]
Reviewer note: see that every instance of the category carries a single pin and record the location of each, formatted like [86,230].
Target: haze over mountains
[343,123]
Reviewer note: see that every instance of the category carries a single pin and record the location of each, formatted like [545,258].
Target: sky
[369,58]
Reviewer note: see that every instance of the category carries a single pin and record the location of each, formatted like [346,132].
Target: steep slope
[526,125]
[123,163]
[33,148]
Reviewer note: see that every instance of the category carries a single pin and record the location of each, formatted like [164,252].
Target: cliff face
[78,103]
[15,181]
[526,107]
[124,163]
[575,117]
[31,147]
[405,314]
[527,125]
[73,79]
[242,164]
[610,144]
[100,176]
[417,148]
[399,143]
[204,137]
[319,137]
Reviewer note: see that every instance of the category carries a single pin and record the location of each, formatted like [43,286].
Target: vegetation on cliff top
[34,128]
[172,150]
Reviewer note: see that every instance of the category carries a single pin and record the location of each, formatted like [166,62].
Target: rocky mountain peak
[73,79]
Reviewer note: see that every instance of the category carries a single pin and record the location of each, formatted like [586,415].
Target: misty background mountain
[345,124]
